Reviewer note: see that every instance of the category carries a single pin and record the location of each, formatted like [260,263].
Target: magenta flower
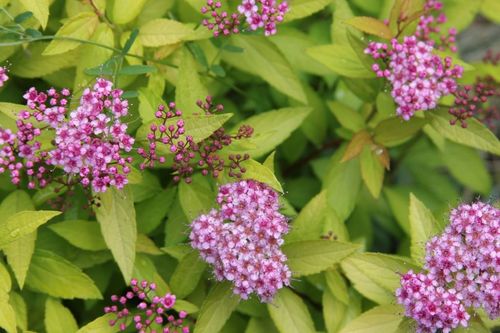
[429,30]
[242,241]
[3,75]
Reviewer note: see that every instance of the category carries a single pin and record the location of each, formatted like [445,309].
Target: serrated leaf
[125,11]
[22,224]
[303,8]
[290,314]
[216,309]
[187,274]
[371,26]
[341,59]
[384,318]
[189,88]
[395,131]
[57,277]
[58,319]
[423,225]
[163,31]
[39,8]
[81,26]
[82,234]
[314,256]
[116,215]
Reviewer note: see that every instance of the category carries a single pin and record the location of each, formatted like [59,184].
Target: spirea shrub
[175,166]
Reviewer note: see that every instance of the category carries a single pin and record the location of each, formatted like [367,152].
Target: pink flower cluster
[257,14]
[463,269]
[153,313]
[429,25]
[188,155]
[418,77]
[3,76]
[242,239]
[89,143]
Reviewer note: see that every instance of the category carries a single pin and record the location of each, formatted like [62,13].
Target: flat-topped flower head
[3,76]
[242,241]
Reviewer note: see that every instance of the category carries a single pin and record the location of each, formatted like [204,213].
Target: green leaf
[314,256]
[163,31]
[338,28]
[480,179]
[20,309]
[290,314]
[100,325]
[23,223]
[82,234]
[261,173]
[20,18]
[130,41]
[39,8]
[260,325]
[189,88]
[475,325]
[216,309]
[262,58]
[137,70]
[148,104]
[371,26]
[187,274]
[476,135]
[337,285]
[196,198]
[57,277]
[266,137]
[6,282]
[384,318]
[58,319]
[7,316]
[395,131]
[347,117]
[303,8]
[81,26]
[423,226]
[372,171]
[376,275]
[125,11]
[491,9]
[116,214]
[341,59]
[151,212]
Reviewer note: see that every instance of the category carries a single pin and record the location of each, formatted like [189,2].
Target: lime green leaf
[338,28]
[337,285]
[260,325]
[22,223]
[58,319]
[125,11]
[261,173]
[303,8]
[6,282]
[347,117]
[372,170]
[181,304]
[423,226]
[148,104]
[479,180]
[290,314]
[262,58]
[376,275]
[384,318]
[82,234]
[395,131]
[163,31]
[341,59]
[7,316]
[39,8]
[459,13]
[151,212]
[19,305]
[189,88]
[266,137]
[491,9]
[216,309]
[334,312]
[371,26]
[311,257]
[476,135]
[146,245]
[116,215]
[81,26]
[57,277]
[187,274]
[196,198]
[100,325]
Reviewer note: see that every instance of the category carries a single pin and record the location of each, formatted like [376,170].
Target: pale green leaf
[57,277]
[82,234]
[81,26]
[314,256]
[423,225]
[20,309]
[372,171]
[347,117]
[290,314]
[395,131]
[303,8]
[338,30]
[7,316]
[491,9]
[341,59]
[163,31]
[261,173]
[39,8]
[125,11]
[58,319]
[187,274]
[189,88]
[384,318]
[371,26]
[148,104]
[100,325]
[116,215]
[260,325]
[216,309]
[147,245]
[22,223]
[337,285]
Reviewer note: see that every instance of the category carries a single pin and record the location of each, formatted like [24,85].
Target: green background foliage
[363,189]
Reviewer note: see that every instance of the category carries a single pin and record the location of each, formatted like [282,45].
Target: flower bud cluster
[3,76]
[429,26]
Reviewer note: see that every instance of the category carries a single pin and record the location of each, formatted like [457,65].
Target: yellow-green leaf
[187,274]
[7,316]
[82,234]
[341,59]
[303,8]
[372,171]
[371,26]
[125,11]
[261,173]
[423,225]
[290,313]
[39,8]
[58,319]
[384,318]
[163,31]
[189,88]
[100,325]
[22,223]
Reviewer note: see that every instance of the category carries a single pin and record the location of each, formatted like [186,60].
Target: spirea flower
[3,76]
[189,155]
[429,30]
[464,261]
[146,311]
[89,143]
[251,14]
[418,77]
[242,239]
